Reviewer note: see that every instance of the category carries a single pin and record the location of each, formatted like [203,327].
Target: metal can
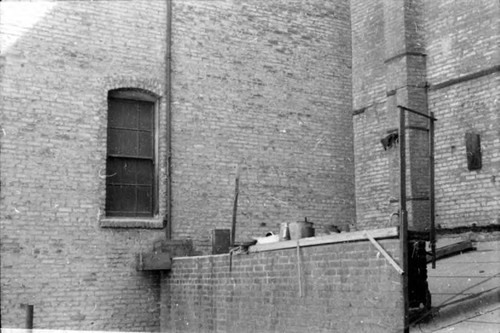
[284,231]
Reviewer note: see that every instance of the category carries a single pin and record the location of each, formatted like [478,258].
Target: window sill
[131,222]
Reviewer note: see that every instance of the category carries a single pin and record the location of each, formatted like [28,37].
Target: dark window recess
[390,140]
[473,148]
[130,160]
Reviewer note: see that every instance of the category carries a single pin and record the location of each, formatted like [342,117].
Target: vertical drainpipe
[403,219]
[168,81]
[432,194]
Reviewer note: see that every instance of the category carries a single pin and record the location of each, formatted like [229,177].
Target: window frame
[138,95]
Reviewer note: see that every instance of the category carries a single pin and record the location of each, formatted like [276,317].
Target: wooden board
[328,239]
[221,241]
[452,249]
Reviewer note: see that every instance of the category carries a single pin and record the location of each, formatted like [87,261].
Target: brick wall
[346,287]
[263,87]
[374,167]
[58,60]
[458,42]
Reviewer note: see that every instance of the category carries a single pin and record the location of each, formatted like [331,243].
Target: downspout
[168,81]
[432,193]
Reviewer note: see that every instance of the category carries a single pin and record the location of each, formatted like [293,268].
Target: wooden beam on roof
[328,239]
[452,249]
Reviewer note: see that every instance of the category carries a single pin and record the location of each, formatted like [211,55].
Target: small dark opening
[473,149]
[390,140]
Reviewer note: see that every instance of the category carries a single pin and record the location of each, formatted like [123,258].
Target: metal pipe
[416,112]
[403,228]
[432,235]
[168,110]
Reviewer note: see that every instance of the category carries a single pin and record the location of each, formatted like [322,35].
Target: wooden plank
[451,249]
[299,270]
[154,261]
[384,253]
[29,315]
[221,241]
[328,239]
[235,208]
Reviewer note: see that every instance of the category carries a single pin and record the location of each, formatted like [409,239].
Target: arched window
[131,172]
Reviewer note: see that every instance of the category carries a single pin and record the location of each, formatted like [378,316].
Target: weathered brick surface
[461,37]
[465,197]
[373,171]
[347,287]
[58,60]
[368,70]
[262,86]
[465,44]
[265,87]
[458,40]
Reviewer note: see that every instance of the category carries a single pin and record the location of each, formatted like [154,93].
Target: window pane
[144,169]
[121,171]
[120,199]
[144,200]
[145,114]
[122,142]
[122,114]
[145,144]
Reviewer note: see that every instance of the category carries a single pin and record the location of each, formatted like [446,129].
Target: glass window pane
[113,171]
[145,172]
[121,170]
[145,114]
[122,142]
[144,200]
[145,144]
[122,114]
[120,199]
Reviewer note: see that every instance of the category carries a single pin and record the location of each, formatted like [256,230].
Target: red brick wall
[57,67]
[265,87]
[347,287]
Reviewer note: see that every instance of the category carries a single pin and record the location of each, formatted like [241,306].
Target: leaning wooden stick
[384,253]
[235,208]
[299,270]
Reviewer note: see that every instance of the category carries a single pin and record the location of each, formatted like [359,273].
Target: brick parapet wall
[263,88]
[347,287]
[59,59]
